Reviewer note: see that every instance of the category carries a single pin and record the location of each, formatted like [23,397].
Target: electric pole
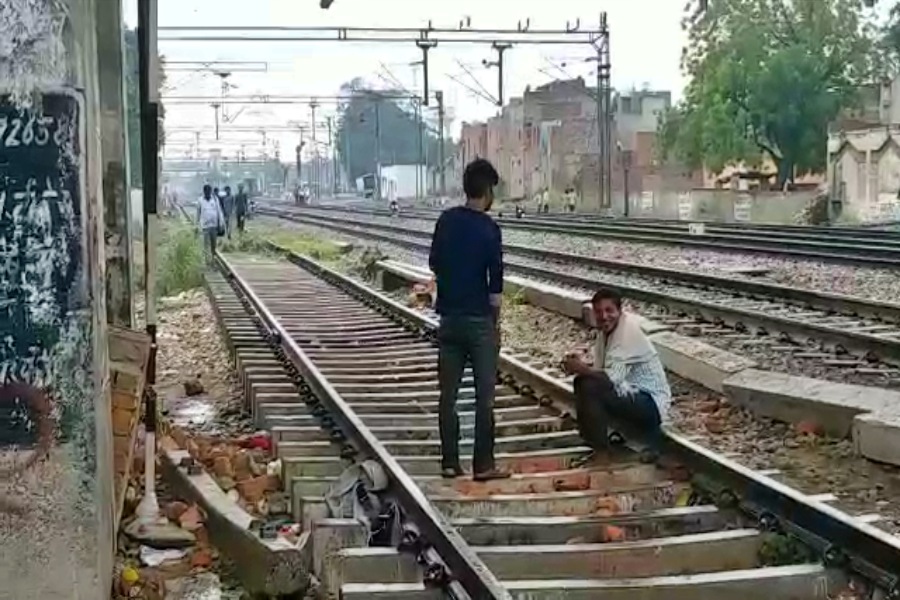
[500,49]
[314,174]
[604,117]
[333,145]
[419,173]
[425,46]
[378,149]
[439,96]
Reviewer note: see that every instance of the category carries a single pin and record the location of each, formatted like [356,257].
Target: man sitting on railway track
[627,381]
[467,260]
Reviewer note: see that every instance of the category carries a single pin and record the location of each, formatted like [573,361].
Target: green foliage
[181,260]
[398,126]
[765,78]
[780,550]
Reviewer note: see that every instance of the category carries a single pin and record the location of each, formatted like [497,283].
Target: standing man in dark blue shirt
[467,260]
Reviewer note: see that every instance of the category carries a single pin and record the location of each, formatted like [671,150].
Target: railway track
[340,373]
[840,324]
[844,245]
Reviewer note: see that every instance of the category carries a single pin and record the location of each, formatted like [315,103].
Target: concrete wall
[721,206]
[399,181]
[56,516]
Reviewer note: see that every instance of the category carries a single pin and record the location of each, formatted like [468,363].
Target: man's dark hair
[607,294]
[228,188]
[207,188]
[479,177]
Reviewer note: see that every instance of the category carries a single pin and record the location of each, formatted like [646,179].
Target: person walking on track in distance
[227,209]
[210,222]
[627,381]
[467,260]
[241,205]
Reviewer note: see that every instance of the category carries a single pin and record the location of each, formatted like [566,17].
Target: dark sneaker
[452,472]
[490,475]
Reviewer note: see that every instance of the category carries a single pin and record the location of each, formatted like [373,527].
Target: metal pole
[440,100]
[299,164]
[334,164]
[348,139]
[605,92]
[314,173]
[419,142]
[425,46]
[500,48]
[377,149]
[148,510]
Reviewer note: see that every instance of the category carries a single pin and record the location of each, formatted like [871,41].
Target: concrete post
[56,541]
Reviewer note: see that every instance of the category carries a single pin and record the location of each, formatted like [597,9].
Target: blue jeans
[598,402]
[467,340]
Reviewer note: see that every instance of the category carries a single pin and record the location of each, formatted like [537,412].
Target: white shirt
[631,362]
[209,213]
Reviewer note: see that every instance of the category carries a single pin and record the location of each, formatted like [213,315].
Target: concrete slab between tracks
[877,436]
[832,406]
[700,362]
[271,567]
[771,583]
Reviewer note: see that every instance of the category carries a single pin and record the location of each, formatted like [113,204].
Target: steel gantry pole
[604,116]
[378,149]
[314,173]
[439,96]
[332,144]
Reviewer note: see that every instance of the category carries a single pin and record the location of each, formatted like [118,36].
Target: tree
[891,36]
[397,124]
[765,79]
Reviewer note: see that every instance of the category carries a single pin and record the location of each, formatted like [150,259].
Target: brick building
[547,139]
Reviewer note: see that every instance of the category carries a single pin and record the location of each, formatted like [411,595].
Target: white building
[864,158]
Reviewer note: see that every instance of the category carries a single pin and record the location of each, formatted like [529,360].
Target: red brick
[222,466]
[254,489]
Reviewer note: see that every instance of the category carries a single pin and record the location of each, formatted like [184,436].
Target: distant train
[366,184]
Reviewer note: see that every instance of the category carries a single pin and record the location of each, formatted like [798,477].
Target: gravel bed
[873,283]
[763,354]
[191,350]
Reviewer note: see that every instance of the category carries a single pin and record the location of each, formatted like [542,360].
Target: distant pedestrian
[241,207]
[467,260]
[227,209]
[210,222]
[571,199]
[627,381]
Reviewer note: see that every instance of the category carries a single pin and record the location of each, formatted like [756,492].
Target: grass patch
[180,262]
[514,296]
[255,238]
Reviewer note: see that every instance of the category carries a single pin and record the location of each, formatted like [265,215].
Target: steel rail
[821,300]
[840,540]
[866,235]
[464,565]
[855,254]
[861,343]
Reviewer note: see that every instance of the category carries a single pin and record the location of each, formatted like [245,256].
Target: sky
[645,39]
